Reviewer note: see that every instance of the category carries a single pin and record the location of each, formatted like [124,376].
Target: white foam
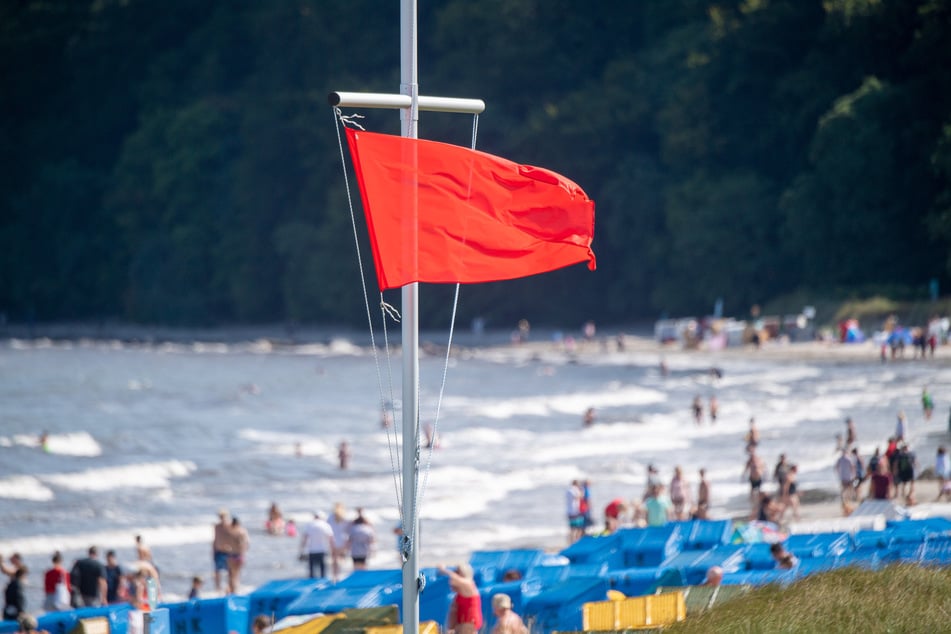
[162,535]
[24,488]
[72,444]
[149,475]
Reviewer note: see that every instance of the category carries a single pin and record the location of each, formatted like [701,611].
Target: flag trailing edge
[471,217]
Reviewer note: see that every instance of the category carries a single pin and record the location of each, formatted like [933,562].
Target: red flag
[444,213]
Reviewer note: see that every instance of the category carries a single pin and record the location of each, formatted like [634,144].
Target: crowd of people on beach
[92,582]
[89,582]
[885,475]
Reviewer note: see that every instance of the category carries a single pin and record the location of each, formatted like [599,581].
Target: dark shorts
[221,560]
[755,484]
[359,560]
[576,521]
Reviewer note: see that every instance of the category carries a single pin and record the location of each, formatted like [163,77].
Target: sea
[151,438]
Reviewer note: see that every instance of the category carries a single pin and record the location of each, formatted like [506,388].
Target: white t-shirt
[317,536]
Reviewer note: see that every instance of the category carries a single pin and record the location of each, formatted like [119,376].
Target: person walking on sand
[901,427]
[845,469]
[507,621]
[90,579]
[790,493]
[942,469]
[236,559]
[361,539]
[679,493]
[316,541]
[754,470]
[714,409]
[56,586]
[703,497]
[573,497]
[465,611]
[222,545]
[340,526]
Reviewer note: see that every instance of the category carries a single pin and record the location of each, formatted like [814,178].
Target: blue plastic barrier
[693,564]
[759,577]
[560,607]
[201,616]
[636,581]
[757,557]
[593,550]
[64,622]
[157,622]
[8,627]
[491,565]
[434,599]
[371,578]
[649,546]
[937,551]
[338,598]
[541,577]
[273,597]
[706,534]
[805,545]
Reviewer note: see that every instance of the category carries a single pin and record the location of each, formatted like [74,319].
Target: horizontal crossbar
[385,100]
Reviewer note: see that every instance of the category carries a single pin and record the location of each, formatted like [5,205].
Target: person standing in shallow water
[697,410]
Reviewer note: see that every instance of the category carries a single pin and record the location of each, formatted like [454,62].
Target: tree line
[176,162]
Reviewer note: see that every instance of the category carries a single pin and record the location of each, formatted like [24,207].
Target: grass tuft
[899,598]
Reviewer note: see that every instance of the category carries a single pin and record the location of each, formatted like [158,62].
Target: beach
[153,431]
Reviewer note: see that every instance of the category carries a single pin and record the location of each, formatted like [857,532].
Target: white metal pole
[410,334]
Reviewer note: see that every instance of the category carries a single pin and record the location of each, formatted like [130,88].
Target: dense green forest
[176,162]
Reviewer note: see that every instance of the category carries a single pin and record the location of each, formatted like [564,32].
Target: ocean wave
[148,475]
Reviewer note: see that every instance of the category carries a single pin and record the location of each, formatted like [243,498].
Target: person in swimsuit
[790,494]
[465,611]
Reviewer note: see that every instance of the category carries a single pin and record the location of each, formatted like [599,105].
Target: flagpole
[409,86]
[410,103]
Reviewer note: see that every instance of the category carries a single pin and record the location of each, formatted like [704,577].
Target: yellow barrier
[655,610]
[426,627]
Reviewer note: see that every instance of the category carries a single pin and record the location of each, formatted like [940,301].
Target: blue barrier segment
[805,545]
[273,597]
[156,622]
[541,577]
[598,569]
[337,598]
[757,557]
[759,577]
[491,565]
[434,599]
[560,607]
[870,540]
[693,564]
[371,578]
[63,622]
[9,627]
[706,534]
[222,614]
[937,551]
[924,525]
[650,546]
[638,581]
[591,550]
